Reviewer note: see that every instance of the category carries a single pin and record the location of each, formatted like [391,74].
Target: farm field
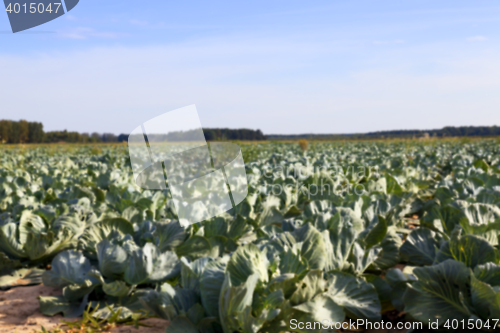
[401,231]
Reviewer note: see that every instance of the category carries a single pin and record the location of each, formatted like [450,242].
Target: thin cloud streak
[85,33]
[476,39]
[387,42]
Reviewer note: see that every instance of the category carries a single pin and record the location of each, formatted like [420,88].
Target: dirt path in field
[19,313]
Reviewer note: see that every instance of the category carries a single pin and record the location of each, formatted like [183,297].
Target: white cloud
[70,17]
[476,39]
[139,23]
[85,33]
[387,42]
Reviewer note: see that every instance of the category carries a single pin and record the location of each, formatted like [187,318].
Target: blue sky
[280,66]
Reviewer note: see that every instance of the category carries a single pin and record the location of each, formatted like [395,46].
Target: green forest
[449,131]
[32,132]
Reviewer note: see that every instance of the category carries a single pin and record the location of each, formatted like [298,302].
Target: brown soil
[19,313]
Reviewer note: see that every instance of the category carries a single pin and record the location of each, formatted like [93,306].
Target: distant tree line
[463,131]
[243,134]
[444,132]
[75,137]
[32,132]
[21,131]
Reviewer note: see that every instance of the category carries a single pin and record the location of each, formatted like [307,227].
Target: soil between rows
[19,313]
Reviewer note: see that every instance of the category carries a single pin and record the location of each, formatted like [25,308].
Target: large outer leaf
[270,215]
[311,285]
[20,277]
[384,291]
[377,186]
[115,311]
[30,224]
[116,288]
[112,259]
[398,282]
[447,218]
[75,292]
[52,305]
[348,218]
[239,228]
[488,273]
[234,301]
[38,246]
[211,282]
[170,302]
[292,262]
[195,247]
[313,247]
[220,245]
[9,243]
[75,222]
[478,213]
[69,267]
[287,283]
[318,309]
[376,234]
[282,240]
[147,265]
[438,293]
[169,235]
[485,300]
[358,297]
[339,240]
[45,245]
[191,273]
[102,230]
[390,247]
[159,304]
[245,261]
[469,249]
[217,226]
[7,265]
[362,258]
[480,220]
[419,247]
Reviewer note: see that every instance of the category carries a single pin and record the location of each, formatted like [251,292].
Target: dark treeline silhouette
[214,134]
[463,131]
[191,135]
[211,134]
[32,132]
[75,137]
[444,132]
[21,131]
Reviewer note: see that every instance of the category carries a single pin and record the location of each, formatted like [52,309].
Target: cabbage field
[394,231]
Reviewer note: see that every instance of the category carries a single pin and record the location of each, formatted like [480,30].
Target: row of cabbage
[342,231]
